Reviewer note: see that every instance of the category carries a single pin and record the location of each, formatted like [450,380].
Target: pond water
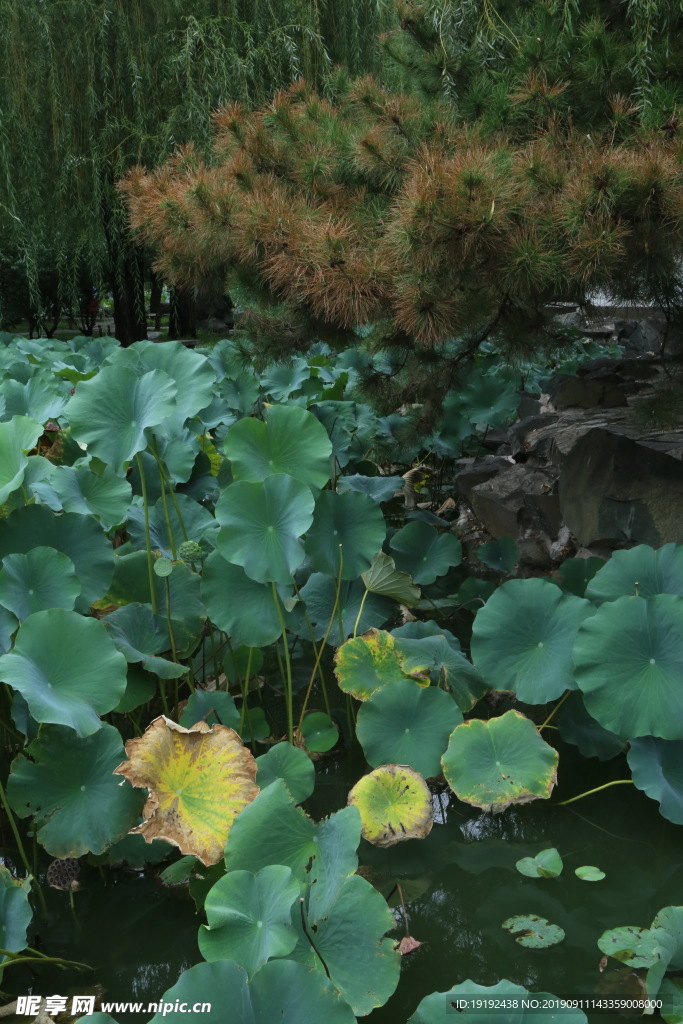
[458,886]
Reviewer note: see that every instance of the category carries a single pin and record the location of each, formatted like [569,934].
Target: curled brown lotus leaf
[199,779]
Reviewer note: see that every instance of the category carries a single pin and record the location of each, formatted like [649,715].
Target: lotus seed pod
[190,551]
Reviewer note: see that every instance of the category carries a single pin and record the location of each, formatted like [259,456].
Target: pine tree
[380,210]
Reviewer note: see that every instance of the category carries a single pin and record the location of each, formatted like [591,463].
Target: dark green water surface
[458,886]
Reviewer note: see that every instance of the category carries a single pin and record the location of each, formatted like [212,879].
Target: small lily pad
[546,864]
[588,873]
[319,732]
[533,932]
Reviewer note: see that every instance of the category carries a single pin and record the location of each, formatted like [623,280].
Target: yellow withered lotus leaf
[199,779]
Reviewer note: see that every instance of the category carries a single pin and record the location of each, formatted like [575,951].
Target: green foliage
[144,597]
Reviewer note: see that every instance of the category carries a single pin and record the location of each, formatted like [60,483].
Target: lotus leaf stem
[589,792]
[13,958]
[17,837]
[164,475]
[245,691]
[169,528]
[360,612]
[556,708]
[288,667]
[316,667]
[148,541]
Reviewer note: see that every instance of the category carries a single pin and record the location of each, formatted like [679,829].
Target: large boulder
[616,490]
[516,497]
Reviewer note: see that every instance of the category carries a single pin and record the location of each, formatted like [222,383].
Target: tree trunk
[128,289]
[182,322]
[155,299]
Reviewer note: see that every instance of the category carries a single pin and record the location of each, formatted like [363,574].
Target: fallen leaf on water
[408,945]
[199,779]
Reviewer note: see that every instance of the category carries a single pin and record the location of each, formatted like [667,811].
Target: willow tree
[92,87]
[593,65]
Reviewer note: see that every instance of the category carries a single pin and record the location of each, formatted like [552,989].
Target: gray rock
[615,490]
[567,391]
[478,472]
[518,497]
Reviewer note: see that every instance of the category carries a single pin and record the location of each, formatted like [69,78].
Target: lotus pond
[271,743]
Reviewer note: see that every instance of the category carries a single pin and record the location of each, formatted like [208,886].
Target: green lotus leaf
[191,372]
[588,873]
[106,496]
[240,395]
[349,937]
[546,864]
[522,639]
[42,578]
[640,571]
[77,803]
[671,994]
[319,732]
[474,592]
[15,912]
[279,380]
[140,687]
[291,442]
[489,399]
[394,804]
[366,663]
[441,1007]
[40,398]
[178,448]
[348,525]
[241,607]
[493,764]
[355,609]
[423,553]
[67,668]
[79,537]
[637,947]
[200,526]
[281,991]
[670,919]
[211,706]
[446,665]
[243,661]
[113,412]
[533,932]
[262,524]
[379,488]
[292,765]
[403,723]
[179,872]
[324,853]
[629,662]
[131,584]
[501,554]
[249,917]
[140,635]
[8,625]
[385,579]
[657,768]
[577,573]
[578,727]
[18,435]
